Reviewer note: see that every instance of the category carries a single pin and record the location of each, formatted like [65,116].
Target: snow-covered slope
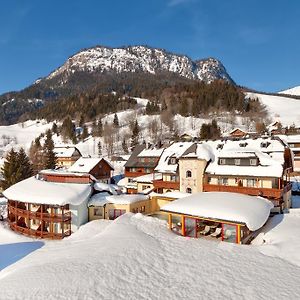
[280,108]
[140,59]
[293,91]
[137,257]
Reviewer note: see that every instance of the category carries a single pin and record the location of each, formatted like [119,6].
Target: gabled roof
[176,150]
[132,160]
[65,151]
[86,164]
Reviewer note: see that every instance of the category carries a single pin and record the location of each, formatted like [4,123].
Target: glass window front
[229,233]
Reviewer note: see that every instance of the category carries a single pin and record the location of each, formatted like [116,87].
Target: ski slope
[293,91]
[280,108]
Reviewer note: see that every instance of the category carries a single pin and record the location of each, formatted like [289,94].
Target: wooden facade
[102,171]
[39,220]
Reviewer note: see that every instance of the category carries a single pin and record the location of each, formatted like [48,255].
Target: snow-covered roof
[268,167]
[86,164]
[174,194]
[38,191]
[176,150]
[290,139]
[237,129]
[249,210]
[269,151]
[103,198]
[65,151]
[148,177]
[154,152]
[101,186]
[203,151]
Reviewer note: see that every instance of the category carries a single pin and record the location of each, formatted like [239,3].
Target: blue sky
[257,41]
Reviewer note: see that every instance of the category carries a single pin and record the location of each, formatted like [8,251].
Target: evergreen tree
[10,170]
[85,132]
[81,121]
[25,166]
[184,108]
[54,128]
[99,149]
[100,128]
[68,130]
[49,155]
[116,121]
[135,135]
[124,146]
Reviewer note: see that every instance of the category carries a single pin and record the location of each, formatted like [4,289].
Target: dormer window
[237,161]
[172,161]
[253,162]
[243,145]
[220,146]
[264,144]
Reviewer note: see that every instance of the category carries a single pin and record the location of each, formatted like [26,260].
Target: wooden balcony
[252,191]
[160,184]
[38,233]
[48,217]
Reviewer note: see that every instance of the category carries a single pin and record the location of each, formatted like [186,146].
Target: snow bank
[281,237]
[137,257]
[249,210]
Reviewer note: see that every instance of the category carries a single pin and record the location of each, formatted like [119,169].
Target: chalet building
[259,167]
[293,142]
[230,217]
[144,183]
[168,166]
[237,133]
[48,206]
[99,168]
[192,167]
[106,206]
[66,155]
[142,162]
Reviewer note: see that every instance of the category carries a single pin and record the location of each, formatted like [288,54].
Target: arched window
[188,173]
[189,190]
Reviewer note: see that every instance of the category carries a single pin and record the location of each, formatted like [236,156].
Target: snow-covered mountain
[140,59]
[295,91]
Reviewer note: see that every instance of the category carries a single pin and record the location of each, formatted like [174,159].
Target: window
[222,161]
[98,212]
[251,182]
[189,190]
[142,159]
[173,178]
[253,161]
[172,161]
[237,161]
[223,181]
[142,209]
[292,145]
[188,173]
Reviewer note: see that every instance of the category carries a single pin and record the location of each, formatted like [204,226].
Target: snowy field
[283,109]
[137,257]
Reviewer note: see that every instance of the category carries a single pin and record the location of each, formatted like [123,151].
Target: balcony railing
[160,184]
[39,233]
[253,191]
[56,218]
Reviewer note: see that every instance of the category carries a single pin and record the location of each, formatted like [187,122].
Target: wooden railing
[38,233]
[175,185]
[264,192]
[38,215]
